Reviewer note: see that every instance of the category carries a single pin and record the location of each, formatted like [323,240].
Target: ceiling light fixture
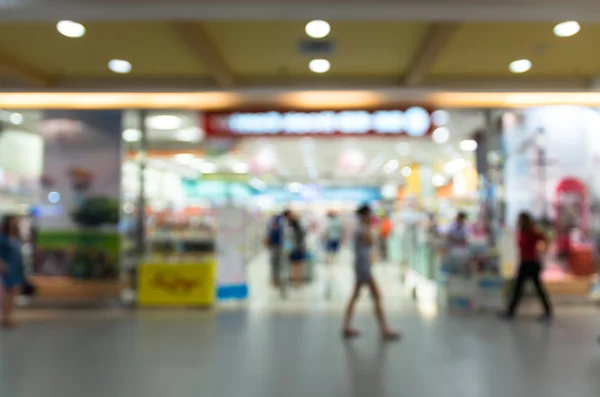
[468,145]
[132,135]
[567,29]
[164,122]
[70,29]
[441,135]
[406,172]
[317,29]
[319,66]
[520,66]
[16,118]
[120,66]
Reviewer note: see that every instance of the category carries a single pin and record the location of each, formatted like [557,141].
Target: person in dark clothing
[274,242]
[11,267]
[298,252]
[531,245]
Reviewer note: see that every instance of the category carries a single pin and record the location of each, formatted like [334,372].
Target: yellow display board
[186,284]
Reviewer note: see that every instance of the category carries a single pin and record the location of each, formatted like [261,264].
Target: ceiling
[234,54]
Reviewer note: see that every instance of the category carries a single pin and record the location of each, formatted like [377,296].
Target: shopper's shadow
[366,369]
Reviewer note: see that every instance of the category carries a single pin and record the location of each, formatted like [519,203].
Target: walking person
[11,267]
[532,244]
[363,245]
[275,242]
[333,237]
[298,252]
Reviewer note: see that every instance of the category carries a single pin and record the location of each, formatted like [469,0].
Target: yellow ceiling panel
[151,47]
[266,48]
[486,49]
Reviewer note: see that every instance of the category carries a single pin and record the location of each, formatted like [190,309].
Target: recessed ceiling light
[317,29]
[164,122]
[319,65]
[441,135]
[406,172]
[132,135]
[119,66]
[567,29]
[468,145]
[70,29]
[520,66]
[16,118]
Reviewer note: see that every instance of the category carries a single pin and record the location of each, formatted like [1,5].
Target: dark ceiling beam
[197,39]
[436,39]
[23,71]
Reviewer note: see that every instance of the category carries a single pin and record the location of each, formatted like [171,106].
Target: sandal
[391,336]
[350,333]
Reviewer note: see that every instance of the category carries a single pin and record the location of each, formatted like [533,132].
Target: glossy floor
[293,349]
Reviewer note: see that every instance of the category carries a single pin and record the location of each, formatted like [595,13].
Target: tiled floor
[293,349]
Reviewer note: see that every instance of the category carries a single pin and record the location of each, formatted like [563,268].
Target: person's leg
[275,257]
[349,314]
[517,290]
[8,304]
[386,331]
[541,291]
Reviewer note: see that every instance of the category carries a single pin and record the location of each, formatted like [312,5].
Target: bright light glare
[295,187]
[438,180]
[208,168]
[184,158]
[389,191]
[70,29]
[441,135]
[468,145]
[319,65]
[406,172]
[120,66]
[440,117]
[53,197]
[520,66]
[317,29]
[391,166]
[164,122]
[240,168]
[132,135]
[16,118]
[567,29]
[258,184]
[192,134]
[455,166]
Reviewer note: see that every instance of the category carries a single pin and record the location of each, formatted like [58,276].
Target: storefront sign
[414,121]
[176,284]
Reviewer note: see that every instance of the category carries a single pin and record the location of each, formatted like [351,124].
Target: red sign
[412,122]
